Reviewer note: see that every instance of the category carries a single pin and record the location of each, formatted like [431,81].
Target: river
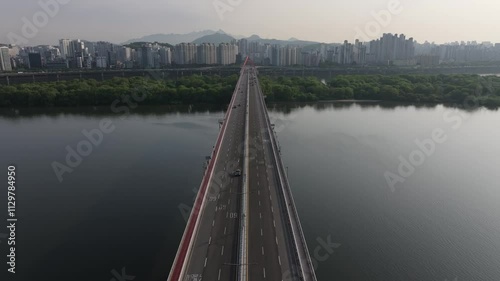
[385,192]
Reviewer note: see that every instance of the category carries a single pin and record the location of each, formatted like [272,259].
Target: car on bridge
[237,173]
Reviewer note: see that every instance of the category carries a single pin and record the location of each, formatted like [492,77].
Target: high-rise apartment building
[64,48]
[391,48]
[5,64]
[165,56]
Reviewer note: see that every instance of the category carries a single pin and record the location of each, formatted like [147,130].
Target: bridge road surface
[214,253]
[268,248]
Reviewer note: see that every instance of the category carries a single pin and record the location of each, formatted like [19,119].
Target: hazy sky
[319,20]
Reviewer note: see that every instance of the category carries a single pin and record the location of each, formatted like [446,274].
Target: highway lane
[214,254]
[268,250]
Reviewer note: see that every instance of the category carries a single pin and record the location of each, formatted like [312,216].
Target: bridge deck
[275,248]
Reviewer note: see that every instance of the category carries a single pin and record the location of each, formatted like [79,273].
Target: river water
[384,192]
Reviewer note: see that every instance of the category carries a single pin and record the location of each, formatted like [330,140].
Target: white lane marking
[264,270]
[219,275]
[205,263]
[270,198]
[279,260]
[258,192]
[274,223]
[229,201]
[258,183]
[210,240]
[218,197]
[262,250]
[213,222]
[272,209]
[260,215]
[224,230]
[257,174]
[227,215]
[222,251]
[276,240]
[259,203]
[261,232]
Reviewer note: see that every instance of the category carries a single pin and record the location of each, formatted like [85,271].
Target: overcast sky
[318,20]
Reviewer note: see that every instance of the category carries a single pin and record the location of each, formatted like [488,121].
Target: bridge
[244,224]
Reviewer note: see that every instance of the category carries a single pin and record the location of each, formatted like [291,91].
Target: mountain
[172,38]
[216,38]
[137,45]
[291,41]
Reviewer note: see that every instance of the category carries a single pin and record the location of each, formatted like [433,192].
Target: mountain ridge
[215,37]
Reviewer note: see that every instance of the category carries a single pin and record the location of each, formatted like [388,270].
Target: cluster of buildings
[81,54]
[206,54]
[277,55]
[458,52]
[390,49]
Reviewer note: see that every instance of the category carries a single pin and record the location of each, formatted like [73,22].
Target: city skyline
[319,21]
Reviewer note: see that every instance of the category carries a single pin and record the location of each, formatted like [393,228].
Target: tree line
[214,89]
[187,90]
[459,89]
